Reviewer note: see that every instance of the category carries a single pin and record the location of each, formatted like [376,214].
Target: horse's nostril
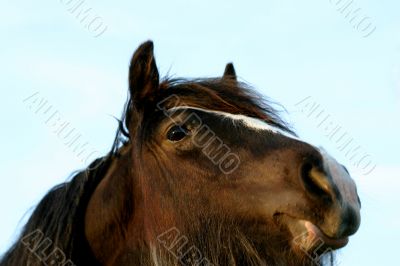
[315,182]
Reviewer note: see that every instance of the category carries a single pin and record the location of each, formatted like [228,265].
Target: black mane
[59,216]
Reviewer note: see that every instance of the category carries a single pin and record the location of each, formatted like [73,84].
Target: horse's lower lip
[308,236]
[316,235]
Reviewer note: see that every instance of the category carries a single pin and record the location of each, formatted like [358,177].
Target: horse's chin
[308,237]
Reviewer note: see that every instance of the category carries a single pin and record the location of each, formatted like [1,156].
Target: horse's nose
[324,179]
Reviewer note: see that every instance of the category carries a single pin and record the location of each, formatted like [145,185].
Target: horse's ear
[229,72]
[143,74]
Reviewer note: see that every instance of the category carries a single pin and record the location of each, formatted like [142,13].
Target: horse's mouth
[309,237]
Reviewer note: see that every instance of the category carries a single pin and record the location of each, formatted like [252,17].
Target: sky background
[288,50]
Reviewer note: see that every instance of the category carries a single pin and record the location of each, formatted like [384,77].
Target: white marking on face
[250,122]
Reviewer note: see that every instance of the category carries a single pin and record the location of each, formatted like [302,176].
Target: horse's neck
[110,209]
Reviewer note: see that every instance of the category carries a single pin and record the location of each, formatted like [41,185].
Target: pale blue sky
[288,50]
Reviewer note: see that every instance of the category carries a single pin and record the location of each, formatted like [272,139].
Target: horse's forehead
[251,123]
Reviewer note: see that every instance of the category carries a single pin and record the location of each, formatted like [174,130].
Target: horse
[201,172]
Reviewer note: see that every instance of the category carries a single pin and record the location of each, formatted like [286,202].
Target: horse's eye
[177,133]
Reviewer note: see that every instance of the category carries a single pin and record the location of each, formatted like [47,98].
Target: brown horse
[202,172]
